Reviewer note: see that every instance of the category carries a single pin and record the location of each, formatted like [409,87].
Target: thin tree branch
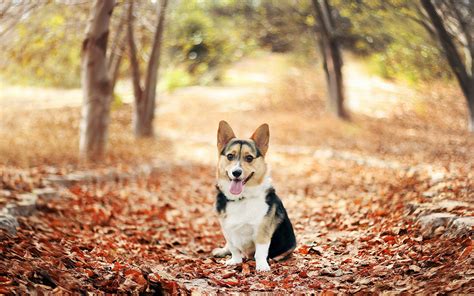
[451,53]
[132,51]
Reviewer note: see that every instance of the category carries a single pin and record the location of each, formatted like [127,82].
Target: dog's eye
[230,156]
[249,158]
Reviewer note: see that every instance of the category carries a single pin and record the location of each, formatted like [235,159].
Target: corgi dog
[252,217]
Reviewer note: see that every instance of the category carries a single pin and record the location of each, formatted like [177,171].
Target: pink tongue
[236,187]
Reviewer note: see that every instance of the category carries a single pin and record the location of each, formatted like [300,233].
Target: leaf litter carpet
[154,234]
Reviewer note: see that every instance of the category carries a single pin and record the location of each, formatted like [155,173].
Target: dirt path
[249,79]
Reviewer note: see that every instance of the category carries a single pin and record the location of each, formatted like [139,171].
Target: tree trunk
[144,107]
[95,82]
[470,105]
[332,59]
[465,80]
[117,48]
[114,62]
[114,68]
[135,67]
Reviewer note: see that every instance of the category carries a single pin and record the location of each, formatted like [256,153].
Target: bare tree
[145,96]
[332,58]
[453,25]
[96,83]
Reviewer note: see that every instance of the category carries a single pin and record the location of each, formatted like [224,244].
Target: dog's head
[241,161]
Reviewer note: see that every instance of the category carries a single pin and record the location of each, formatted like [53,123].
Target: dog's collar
[234,200]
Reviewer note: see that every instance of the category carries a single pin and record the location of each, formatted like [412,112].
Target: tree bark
[470,106]
[471,112]
[145,98]
[114,68]
[95,82]
[132,51]
[465,80]
[332,59]
[117,48]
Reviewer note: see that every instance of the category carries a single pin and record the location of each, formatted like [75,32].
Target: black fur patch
[283,238]
[221,201]
[242,142]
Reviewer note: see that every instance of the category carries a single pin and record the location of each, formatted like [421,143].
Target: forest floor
[381,203]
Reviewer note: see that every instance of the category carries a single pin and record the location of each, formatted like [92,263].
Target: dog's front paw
[262,266]
[233,261]
[220,252]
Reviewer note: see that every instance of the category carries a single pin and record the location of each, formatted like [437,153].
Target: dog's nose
[237,173]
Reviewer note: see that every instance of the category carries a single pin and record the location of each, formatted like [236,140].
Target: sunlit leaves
[46,47]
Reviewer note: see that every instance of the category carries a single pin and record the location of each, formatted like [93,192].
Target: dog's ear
[224,135]
[261,136]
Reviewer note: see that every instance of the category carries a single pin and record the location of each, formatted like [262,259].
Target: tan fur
[258,166]
[224,134]
[261,137]
[267,227]
[284,256]
[248,250]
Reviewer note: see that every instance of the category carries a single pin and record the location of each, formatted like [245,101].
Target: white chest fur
[242,218]
[241,222]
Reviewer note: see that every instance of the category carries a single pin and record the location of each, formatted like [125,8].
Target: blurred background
[391,78]
[108,120]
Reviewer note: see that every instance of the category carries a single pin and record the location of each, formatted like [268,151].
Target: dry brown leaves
[156,235]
